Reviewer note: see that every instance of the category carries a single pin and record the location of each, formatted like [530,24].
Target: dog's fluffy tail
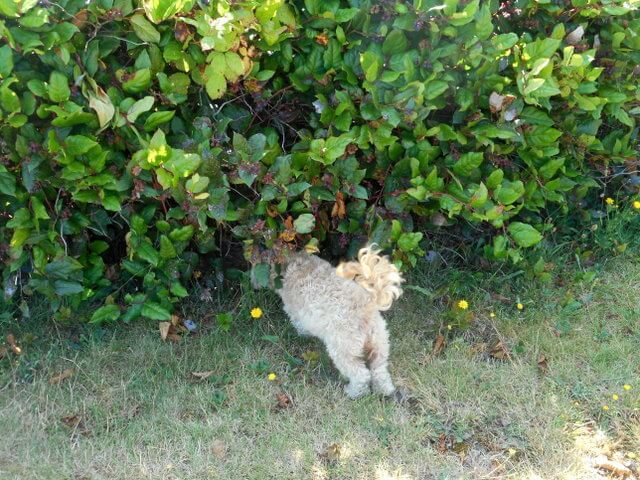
[376,274]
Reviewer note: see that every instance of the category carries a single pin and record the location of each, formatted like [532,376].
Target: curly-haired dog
[341,306]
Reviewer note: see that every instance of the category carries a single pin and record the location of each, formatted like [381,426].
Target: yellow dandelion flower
[609,201]
[272,376]
[463,304]
[631,455]
[492,315]
[519,306]
[605,407]
[256,312]
[449,327]
[615,396]
[627,387]
[636,204]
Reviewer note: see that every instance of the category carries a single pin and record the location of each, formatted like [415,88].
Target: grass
[133,410]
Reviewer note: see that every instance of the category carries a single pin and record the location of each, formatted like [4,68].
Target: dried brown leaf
[164,329]
[500,351]
[543,364]
[71,421]
[322,39]
[61,376]
[331,453]
[202,375]
[283,401]
[11,340]
[438,345]
[174,337]
[339,208]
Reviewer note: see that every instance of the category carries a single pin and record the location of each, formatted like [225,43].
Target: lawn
[523,394]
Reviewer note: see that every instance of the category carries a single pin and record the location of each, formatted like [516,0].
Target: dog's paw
[354,391]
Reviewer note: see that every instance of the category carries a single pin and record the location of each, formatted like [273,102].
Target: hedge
[144,142]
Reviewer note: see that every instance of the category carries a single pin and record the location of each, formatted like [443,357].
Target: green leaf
[504,41]
[158,118]
[345,14]
[58,87]
[215,82]
[141,106]
[296,189]
[196,183]
[484,27]
[39,211]
[79,144]
[304,223]
[182,234]
[106,313]
[261,273]
[235,67]
[146,252]
[467,163]
[167,250]
[479,197]
[395,42]
[370,63]
[160,10]
[6,61]
[144,29]
[65,287]
[7,183]
[178,290]
[524,234]
[154,311]
[509,192]
[140,82]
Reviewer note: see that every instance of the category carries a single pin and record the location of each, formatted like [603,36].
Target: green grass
[133,410]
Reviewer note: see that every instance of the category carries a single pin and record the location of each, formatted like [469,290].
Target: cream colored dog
[341,306]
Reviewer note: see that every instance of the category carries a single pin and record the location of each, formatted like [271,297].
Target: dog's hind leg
[351,364]
[378,356]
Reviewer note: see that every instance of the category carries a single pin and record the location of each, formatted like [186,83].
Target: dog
[341,306]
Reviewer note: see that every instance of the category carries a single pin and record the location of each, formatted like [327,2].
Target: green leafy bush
[145,141]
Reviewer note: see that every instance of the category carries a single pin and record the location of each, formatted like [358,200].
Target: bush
[144,142]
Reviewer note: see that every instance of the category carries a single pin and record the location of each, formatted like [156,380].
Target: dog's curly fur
[341,306]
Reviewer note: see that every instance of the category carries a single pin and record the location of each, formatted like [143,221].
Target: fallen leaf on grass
[75,423]
[331,453]
[438,345]
[11,340]
[202,375]
[164,329]
[3,352]
[168,330]
[444,443]
[61,376]
[500,351]
[71,421]
[283,402]
[616,468]
[543,365]
[219,449]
